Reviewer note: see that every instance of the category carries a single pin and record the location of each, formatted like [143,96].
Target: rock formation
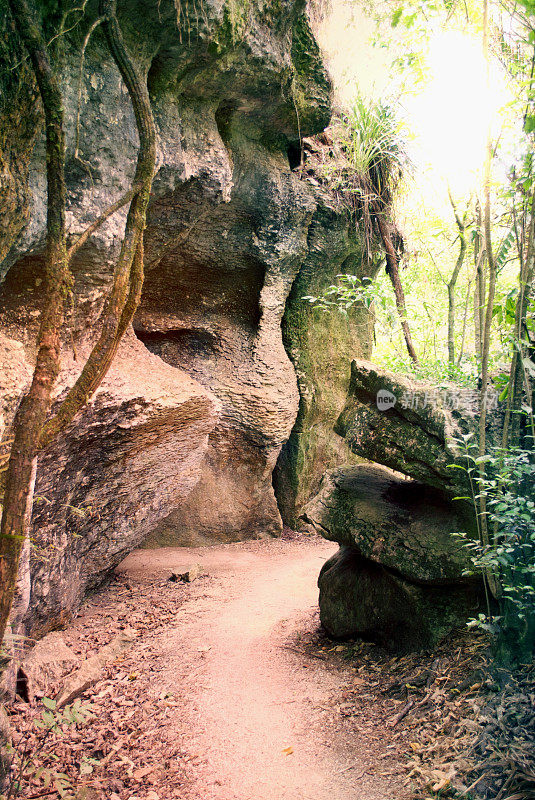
[409,426]
[398,577]
[320,346]
[185,432]
[132,453]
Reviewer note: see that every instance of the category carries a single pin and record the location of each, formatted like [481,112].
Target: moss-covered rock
[320,345]
[410,426]
[399,577]
[361,598]
[403,525]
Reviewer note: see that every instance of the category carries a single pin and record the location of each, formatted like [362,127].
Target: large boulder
[361,598]
[410,426]
[134,452]
[399,576]
[401,524]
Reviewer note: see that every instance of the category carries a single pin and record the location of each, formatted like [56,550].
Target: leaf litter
[465,728]
[461,730]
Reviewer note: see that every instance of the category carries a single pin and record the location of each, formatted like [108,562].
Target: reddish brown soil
[229,692]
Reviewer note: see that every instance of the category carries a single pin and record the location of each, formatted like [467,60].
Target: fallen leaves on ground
[467,730]
[123,752]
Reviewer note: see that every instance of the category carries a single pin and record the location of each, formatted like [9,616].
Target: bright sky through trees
[445,102]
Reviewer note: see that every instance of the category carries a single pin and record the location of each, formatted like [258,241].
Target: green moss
[311,87]
[235,19]
[321,346]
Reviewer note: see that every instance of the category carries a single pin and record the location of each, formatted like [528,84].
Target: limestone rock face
[207,378]
[214,309]
[46,662]
[320,346]
[134,452]
[398,577]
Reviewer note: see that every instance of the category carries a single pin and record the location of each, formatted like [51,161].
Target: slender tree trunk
[35,407]
[486,331]
[121,302]
[479,286]
[461,225]
[511,425]
[392,269]
[465,320]
[33,431]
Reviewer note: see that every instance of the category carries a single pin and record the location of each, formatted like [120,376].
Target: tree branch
[119,307]
[90,230]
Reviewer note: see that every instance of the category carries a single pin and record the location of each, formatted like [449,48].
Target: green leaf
[503,394]
[49,703]
[396,16]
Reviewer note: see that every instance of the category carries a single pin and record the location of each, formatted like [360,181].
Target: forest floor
[231,691]
[227,693]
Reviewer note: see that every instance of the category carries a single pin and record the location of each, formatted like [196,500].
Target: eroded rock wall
[213,307]
[321,346]
[206,389]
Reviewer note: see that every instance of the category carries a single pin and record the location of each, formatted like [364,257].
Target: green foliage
[347,293]
[25,772]
[377,295]
[371,137]
[438,372]
[369,155]
[508,489]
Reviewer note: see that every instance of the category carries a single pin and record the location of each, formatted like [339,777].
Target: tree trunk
[392,269]
[128,276]
[461,225]
[35,407]
[32,429]
[479,287]
[511,425]
[489,576]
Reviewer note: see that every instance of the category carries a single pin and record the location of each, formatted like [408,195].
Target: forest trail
[255,707]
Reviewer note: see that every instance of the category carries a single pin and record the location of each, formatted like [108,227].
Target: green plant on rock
[235,18]
[347,293]
[369,162]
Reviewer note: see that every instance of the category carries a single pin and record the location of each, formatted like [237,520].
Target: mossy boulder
[401,524]
[361,598]
[408,425]
[399,577]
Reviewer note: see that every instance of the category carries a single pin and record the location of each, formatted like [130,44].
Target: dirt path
[255,708]
[230,690]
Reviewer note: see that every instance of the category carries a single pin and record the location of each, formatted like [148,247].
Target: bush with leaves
[507,559]
[25,771]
